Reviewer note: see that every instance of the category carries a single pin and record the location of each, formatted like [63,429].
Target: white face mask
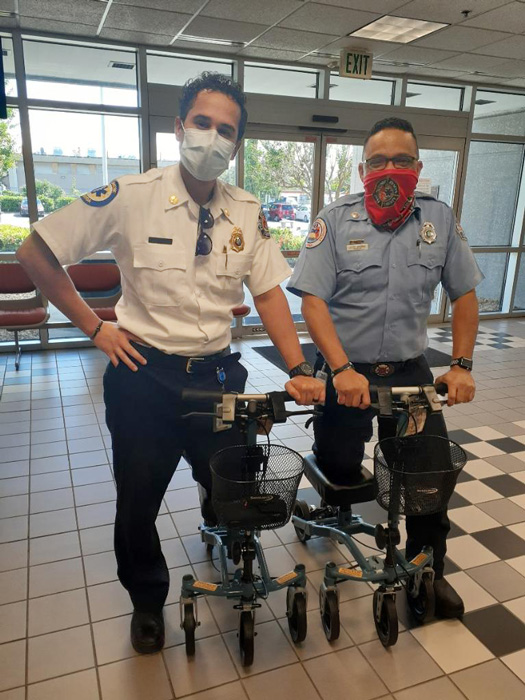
[205,154]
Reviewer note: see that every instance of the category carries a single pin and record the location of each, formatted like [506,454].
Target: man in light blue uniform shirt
[367,275]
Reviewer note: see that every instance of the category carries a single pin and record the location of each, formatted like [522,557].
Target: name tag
[162,241]
[358,244]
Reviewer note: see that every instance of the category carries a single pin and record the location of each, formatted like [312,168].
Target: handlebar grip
[202,396]
[441,388]
[373,393]
[281,396]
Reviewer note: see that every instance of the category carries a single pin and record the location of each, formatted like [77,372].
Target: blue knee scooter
[413,475]
[254,487]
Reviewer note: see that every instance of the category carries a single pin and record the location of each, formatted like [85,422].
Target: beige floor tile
[490,680]
[467,552]
[333,674]
[211,666]
[165,527]
[14,487]
[272,649]
[44,501]
[187,521]
[112,640]
[13,555]
[11,506]
[315,643]
[285,683]
[13,586]
[96,514]
[277,601]
[135,679]
[518,529]
[57,612]
[481,469]
[230,691]
[315,555]
[100,568]
[52,523]
[97,539]
[227,618]
[175,553]
[94,493]
[108,600]
[12,621]
[55,577]
[348,590]
[357,619]
[60,653]
[206,628]
[49,482]
[91,475]
[516,663]
[500,580]
[403,665]
[12,664]
[517,607]
[438,689]
[518,563]
[17,694]
[451,645]
[474,596]
[476,491]
[472,519]
[77,686]
[12,529]
[43,550]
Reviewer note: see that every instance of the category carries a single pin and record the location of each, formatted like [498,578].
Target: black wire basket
[254,488]
[416,475]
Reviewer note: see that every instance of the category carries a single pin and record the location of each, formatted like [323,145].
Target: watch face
[305,369]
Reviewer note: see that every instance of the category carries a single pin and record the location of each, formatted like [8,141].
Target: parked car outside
[302,213]
[279,211]
[24,207]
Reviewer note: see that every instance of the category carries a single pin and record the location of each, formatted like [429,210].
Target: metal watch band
[347,365]
[463,362]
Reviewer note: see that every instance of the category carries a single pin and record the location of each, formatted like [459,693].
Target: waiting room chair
[20,313]
[98,283]
[239,312]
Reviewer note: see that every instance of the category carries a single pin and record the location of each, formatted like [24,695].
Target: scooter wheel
[189,625]
[422,605]
[329,608]
[386,619]
[246,637]
[302,510]
[296,612]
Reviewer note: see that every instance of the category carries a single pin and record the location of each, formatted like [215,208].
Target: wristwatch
[304,369]
[463,362]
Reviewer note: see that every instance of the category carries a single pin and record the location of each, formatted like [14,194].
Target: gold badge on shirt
[237,240]
[428,232]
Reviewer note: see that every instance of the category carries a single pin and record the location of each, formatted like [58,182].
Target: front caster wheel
[296,613]
[246,637]
[189,625]
[329,608]
[423,604]
[385,617]
[302,510]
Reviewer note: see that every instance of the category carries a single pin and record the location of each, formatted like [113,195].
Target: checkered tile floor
[487,339]
[64,618]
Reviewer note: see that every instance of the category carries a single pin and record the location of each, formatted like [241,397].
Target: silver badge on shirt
[428,233]
[357,244]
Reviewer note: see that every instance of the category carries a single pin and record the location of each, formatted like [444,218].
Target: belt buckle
[383,369]
[190,361]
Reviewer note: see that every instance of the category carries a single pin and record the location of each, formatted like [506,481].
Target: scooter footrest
[361,491]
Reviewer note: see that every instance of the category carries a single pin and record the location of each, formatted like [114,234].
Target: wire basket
[254,487]
[416,475]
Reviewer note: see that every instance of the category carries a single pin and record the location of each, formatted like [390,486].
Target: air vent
[485,102]
[119,64]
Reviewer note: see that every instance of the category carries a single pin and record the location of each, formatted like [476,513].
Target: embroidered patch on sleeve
[317,234]
[262,225]
[460,232]
[101,196]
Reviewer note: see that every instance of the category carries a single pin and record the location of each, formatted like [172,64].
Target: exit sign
[355,64]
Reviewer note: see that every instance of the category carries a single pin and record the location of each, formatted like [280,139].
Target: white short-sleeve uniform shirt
[174,300]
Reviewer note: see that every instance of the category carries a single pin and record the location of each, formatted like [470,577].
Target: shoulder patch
[460,232]
[262,225]
[101,196]
[317,234]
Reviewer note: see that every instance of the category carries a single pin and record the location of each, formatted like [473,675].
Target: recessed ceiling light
[122,65]
[208,40]
[398,29]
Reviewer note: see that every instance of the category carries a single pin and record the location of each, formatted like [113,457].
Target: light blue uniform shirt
[379,284]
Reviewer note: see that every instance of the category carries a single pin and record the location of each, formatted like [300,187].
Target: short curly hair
[216,82]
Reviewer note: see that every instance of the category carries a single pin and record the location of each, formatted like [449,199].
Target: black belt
[385,369]
[191,365]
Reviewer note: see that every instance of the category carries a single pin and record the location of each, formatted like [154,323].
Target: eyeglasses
[204,243]
[380,162]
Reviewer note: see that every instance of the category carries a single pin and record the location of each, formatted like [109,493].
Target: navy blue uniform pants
[149,436]
[340,437]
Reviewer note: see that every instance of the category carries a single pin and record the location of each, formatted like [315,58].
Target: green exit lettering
[357,63]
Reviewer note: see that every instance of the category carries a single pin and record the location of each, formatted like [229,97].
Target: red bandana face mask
[389,196]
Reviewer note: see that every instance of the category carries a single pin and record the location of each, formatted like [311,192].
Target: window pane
[80,74]
[176,70]
[434,96]
[168,153]
[439,173]
[499,113]
[519,299]
[74,153]
[491,191]
[341,171]
[373,91]
[14,222]
[280,81]
[9,67]
[490,291]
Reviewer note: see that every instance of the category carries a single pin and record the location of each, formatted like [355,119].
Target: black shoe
[147,632]
[448,602]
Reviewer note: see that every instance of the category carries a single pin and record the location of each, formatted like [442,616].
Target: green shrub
[10,203]
[63,201]
[12,237]
[286,239]
[47,203]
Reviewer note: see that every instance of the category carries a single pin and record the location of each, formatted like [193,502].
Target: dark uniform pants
[149,436]
[340,436]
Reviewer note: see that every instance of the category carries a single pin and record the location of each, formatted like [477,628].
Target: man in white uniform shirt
[185,242]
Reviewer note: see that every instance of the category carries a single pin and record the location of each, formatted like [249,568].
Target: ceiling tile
[509,18]
[267,12]
[470,62]
[277,55]
[417,55]
[184,6]
[280,38]
[55,27]
[377,48]
[196,46]
[516,82]
[460,38]
[448,11]
[209,27]
[509,69]
[333,20]
[512,47]
[86,12]
[139,19]
[8,22]
[382,7]
[435,73]
[132,37]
